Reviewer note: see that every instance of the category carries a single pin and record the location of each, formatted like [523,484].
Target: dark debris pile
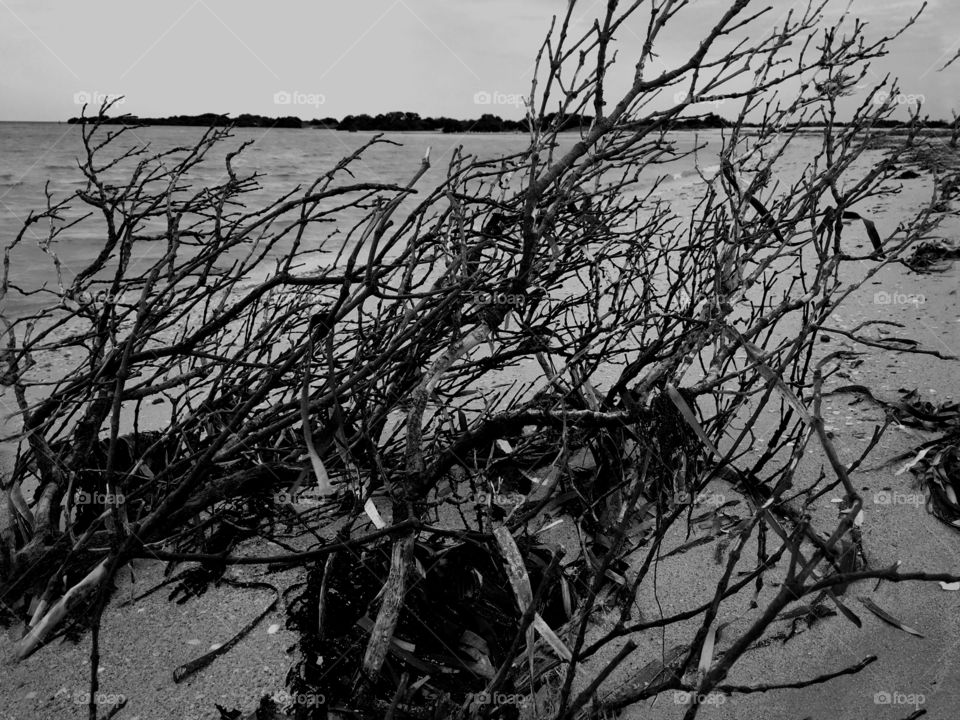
[458,621]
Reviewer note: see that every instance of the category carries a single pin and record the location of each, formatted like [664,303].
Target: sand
[142,644]
[909,669]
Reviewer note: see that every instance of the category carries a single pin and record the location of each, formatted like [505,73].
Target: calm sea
[35,154]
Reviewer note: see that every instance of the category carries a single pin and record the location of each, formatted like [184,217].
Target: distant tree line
[390,122]
[398,121]
[204,119]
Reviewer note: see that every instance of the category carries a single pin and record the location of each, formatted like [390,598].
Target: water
[34,154]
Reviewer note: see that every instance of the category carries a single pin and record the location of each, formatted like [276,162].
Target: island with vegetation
[396,121]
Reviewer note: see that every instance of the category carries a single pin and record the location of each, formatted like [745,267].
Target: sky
[458,58]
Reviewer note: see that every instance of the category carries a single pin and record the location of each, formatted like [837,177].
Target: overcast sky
[323,58]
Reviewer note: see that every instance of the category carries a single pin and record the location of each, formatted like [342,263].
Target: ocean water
[35,156]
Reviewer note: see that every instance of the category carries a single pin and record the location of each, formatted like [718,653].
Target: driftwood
[339,373]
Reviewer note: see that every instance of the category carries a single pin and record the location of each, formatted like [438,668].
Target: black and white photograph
[480,360]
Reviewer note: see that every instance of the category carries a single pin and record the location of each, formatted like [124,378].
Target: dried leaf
[374,514]
[918,458]
[706,653]
[870,227]
[471,639]
[567,597]
[552,638]
[520,582]
[323,479]
[21,507]
[847,612]
[551,524]
[691,419]
[887,617]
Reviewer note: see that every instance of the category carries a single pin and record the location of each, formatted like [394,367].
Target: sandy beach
[418,360]
[142,643]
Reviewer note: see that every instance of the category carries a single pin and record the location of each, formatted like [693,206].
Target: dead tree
[397,350]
